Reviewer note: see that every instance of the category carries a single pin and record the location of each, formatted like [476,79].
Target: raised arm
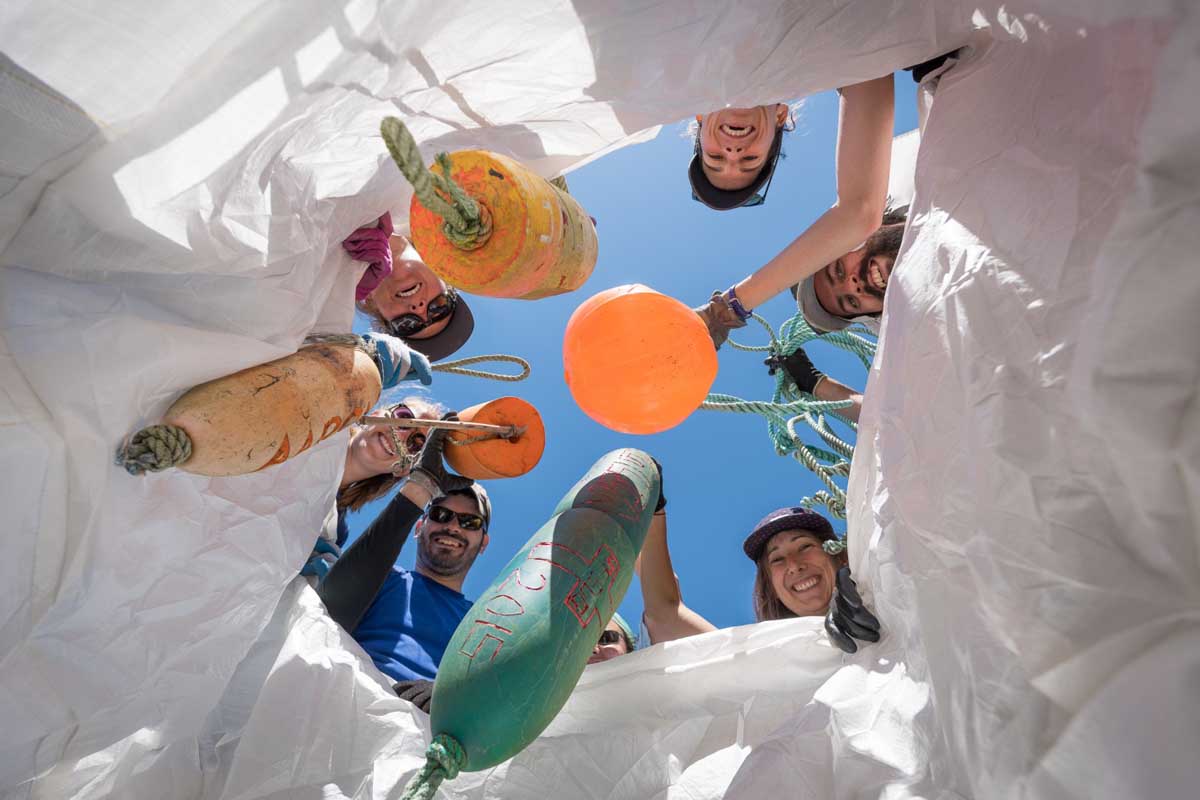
[665,614]
[864,152]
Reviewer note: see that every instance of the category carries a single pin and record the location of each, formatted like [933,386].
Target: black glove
[720,318]
[848,619]
[419,693]
[430,470]
[800,370]
[662,498]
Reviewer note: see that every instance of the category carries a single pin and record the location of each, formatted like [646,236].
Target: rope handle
[458,367]
[466,223]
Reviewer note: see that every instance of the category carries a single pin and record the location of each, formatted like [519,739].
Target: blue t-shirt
[407,628]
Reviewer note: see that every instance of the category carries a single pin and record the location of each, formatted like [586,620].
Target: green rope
[465,223]
[154,449]
[789,407]
[443,759]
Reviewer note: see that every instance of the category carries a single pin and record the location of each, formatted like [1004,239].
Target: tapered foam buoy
[263,415]
[488,459]
[519,651]
[636,360]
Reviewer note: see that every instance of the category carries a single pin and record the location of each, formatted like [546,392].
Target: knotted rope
[443,759]
[466,224]
[789,406]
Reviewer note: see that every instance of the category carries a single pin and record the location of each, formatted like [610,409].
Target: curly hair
[355,495]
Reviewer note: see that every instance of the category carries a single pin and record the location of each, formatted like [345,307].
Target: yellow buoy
[528,238]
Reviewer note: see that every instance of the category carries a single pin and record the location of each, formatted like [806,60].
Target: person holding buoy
[377,458]
[403,619]
[404,297]
[734,161]
[801,572]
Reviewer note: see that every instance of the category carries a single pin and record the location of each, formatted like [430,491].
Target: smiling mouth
[447,541]
[736,131]
[877,276]
[805,585]
[386,443]
[410,291]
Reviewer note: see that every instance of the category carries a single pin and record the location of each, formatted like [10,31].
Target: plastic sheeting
[1023,502]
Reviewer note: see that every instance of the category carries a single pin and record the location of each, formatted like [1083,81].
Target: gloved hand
[399,362]
[371,245]
[848,619]
[802,372]
[322,559]
[419,693]
[662,497]
[720,318]
[430,471]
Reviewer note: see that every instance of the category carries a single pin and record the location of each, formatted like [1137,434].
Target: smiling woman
[418,306]
[380,456]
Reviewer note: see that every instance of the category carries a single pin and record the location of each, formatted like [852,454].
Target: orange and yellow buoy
[636,360]
[490,458]
[529,239]
[260,416]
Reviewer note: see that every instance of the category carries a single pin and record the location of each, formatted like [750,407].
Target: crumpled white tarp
[1023,504]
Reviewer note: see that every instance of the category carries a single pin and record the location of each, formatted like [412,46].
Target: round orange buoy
[636,360]
[541,243]
[498,458]
[267,414]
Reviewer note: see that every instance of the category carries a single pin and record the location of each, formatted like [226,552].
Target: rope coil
[789,407]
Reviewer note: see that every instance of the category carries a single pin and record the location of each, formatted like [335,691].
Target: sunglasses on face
[416,438]
[468,522]
[608,637]
[438,308]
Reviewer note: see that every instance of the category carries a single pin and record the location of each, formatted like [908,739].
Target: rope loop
[459,367]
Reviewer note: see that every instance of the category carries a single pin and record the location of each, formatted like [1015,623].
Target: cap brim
[722,200]
[814,313]
[449,339]
[799,519]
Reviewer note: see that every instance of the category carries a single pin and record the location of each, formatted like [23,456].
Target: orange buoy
[636,360]
[264,415]
[541,242]
[498,458]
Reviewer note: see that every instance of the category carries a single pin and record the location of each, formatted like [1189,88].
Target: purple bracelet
[732,298]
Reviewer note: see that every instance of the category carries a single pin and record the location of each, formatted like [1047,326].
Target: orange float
[488,459]
[541,243]
[636,360]
[260,416]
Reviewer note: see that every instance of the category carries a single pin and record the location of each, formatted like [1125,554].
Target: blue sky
[721,472]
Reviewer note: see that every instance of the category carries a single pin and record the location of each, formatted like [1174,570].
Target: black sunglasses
[610,637]
[468,522]
[438,308]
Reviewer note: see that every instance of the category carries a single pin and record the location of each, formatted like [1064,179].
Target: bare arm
[665,615]
[829,389]
[864,153]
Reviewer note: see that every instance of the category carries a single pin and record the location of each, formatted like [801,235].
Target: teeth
[385,444]
[447,542]
[805,585]
[735,131]
[409,292]
[877,277]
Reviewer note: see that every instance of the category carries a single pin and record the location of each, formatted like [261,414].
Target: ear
[781,114]
[483,543]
